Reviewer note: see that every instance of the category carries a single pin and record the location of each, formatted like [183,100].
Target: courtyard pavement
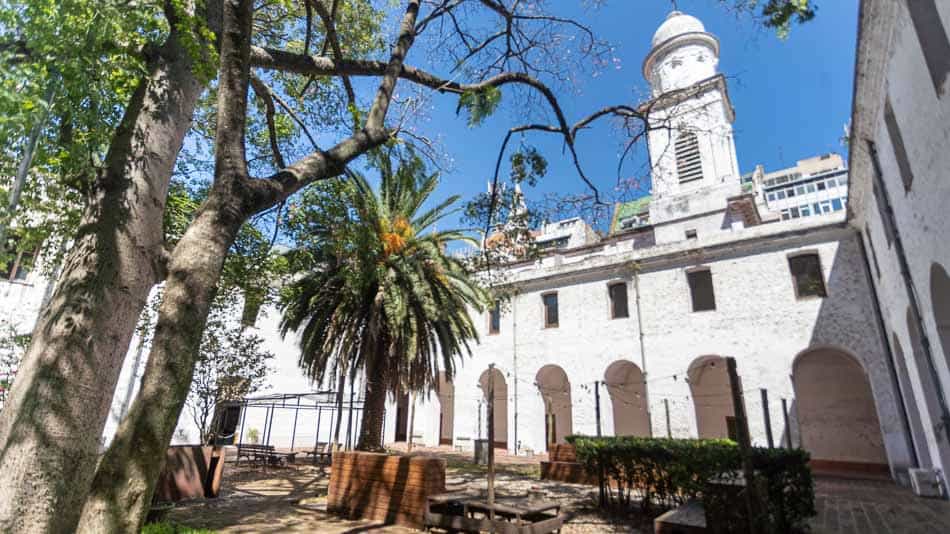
[293,499]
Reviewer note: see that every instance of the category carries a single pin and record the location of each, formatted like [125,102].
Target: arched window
[689,165]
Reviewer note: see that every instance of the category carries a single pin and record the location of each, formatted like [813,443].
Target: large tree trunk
[50,429]
[125,480]
[374,404]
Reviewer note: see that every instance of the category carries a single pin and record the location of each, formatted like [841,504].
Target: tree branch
[326,164]
[264,93]
[334,42]
[229,152]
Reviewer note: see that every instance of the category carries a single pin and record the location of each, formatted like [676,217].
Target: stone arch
[837,418]
[495,378]
[555,391]
[940,302]
[446,392]
[624,382]
[712,397]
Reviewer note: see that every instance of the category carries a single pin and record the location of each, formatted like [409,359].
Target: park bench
[461,442]
[264,453]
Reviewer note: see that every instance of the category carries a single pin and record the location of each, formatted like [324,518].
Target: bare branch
[265,95]
[334,42]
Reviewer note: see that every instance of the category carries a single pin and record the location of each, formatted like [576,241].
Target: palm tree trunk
[374,403]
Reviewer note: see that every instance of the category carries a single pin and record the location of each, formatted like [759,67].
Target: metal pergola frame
[314,401]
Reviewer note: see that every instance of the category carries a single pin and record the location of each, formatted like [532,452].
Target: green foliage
[253,436]
[89,56]
[12,346]
[669,472]
[781,14]
[375,286]
[166,527]
[479,104]
[528,166]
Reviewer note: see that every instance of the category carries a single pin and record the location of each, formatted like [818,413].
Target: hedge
[667,472]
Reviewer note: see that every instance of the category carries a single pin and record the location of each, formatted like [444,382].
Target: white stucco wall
[891,66]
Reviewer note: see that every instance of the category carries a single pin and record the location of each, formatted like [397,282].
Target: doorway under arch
[624,381]
[495,378]
[555,391]
[928,388]
[446,391]
[917,437]
[837,418]
[712,398]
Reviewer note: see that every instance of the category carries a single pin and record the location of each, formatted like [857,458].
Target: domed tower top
[683,53]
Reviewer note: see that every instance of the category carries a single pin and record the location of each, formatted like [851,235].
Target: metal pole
[316,440]
[742,424]
[339,408]
[514,365]
[412,422]
[264,429]
[479,419]
[768,418]
[243,418]
[666,406]
[293,433]
[788,428]
[491,443]
[597,405]
[270,425]
[349,419]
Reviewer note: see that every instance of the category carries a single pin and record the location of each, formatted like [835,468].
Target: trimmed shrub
[667,472]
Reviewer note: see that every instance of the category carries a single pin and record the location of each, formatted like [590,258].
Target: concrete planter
[191,472]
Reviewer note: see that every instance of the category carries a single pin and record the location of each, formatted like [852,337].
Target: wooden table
[517,508]
[514,515]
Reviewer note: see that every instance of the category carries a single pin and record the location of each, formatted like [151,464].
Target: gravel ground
[255,500]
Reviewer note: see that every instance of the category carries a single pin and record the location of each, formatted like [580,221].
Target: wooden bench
[265,454]
[690,518]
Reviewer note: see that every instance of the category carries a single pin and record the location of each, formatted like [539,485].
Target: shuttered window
[550,310]
[618,301]
[689,165]
[701,290]
[806,275]
[494,319]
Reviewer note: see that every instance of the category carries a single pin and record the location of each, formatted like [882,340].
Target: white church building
[713,264]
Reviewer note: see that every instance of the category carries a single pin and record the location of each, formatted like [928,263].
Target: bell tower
[692,151]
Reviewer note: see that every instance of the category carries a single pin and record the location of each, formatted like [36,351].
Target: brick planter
[564,467]
[383,487]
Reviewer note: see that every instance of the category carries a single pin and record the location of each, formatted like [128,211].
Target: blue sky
[792,97]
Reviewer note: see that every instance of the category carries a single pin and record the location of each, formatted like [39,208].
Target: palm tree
[382,296]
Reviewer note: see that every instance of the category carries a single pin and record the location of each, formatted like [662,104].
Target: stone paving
[873,507]
[255,500]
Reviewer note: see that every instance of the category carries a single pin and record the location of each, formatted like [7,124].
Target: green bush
[667,472]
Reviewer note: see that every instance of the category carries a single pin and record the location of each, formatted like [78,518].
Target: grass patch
[165,527]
